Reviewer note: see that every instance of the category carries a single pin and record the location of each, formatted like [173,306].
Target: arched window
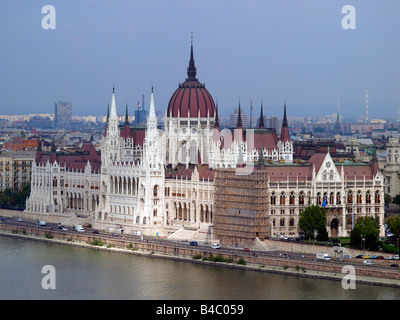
[155,191]
[331,198]
[318,198]
[377,197]
[282,198]
[291,222]
[359,196]
[350,197]
[273,198]
[338,200]
[301,197]
[368,197]
[291,198]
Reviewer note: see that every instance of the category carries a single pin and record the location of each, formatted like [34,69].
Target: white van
[79,228]
[323,256]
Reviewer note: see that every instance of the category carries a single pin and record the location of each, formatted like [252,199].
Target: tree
[313,218]
[396,200]
[365,228]
[388,200]
[393,223]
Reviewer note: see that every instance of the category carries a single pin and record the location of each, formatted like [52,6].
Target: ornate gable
[327,171]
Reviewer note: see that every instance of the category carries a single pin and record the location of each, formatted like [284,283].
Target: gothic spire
[126,115]
[191,70]
[285,128]
[261,120]
[239,119]
[113,106]
[284,122]
[152,117]
[108,113]
[216,122]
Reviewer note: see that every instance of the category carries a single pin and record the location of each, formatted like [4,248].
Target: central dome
[191,97]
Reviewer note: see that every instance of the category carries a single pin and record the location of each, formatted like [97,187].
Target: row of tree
[389,199]
[365,233]
[10,199]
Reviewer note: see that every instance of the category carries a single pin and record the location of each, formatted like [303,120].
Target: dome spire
[191,70]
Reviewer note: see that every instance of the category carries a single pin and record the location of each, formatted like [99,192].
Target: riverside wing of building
[65,182]
[268,201]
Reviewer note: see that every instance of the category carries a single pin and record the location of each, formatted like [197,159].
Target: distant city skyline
[248,50]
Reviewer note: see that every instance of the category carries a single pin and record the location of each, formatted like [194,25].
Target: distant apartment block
[233,118]
[62,115]
[15,169]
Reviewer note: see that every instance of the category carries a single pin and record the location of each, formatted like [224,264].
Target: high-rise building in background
[62,115]
[234,118]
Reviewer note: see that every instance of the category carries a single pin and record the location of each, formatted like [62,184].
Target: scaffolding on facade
[241,206]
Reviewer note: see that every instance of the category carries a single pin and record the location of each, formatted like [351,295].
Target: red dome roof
[191,95]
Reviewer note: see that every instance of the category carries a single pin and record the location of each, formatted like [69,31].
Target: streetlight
[364,243]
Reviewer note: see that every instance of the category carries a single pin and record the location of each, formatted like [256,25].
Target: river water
[82,274]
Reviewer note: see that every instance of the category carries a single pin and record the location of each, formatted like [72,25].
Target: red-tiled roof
[75,160]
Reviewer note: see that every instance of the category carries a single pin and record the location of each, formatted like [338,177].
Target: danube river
[93,274]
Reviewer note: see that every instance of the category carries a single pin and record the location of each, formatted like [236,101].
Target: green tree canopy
[388,200]
[365,228]
[396,200]
[393,223]
[313,218]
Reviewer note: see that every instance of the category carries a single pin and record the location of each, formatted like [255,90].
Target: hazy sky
[247,50]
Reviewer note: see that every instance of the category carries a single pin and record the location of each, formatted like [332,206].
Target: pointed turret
[107,119]
[113,106]
[126,116]
[285,128]
[216,121]
[112,126]
[152,117]
[108,113]
[126,130]
[261,163]
[239,119]
[261,120]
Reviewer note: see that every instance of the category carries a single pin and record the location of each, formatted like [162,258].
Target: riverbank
[196,255]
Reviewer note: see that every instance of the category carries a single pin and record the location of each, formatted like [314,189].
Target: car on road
[394,265]
[114,234]
[347,256]
[366,256]
[373,257]
[216,246]
[380,257]
[369,263]
[20,220]
[194,243]
[3,219]
[246,249]
[95,232]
